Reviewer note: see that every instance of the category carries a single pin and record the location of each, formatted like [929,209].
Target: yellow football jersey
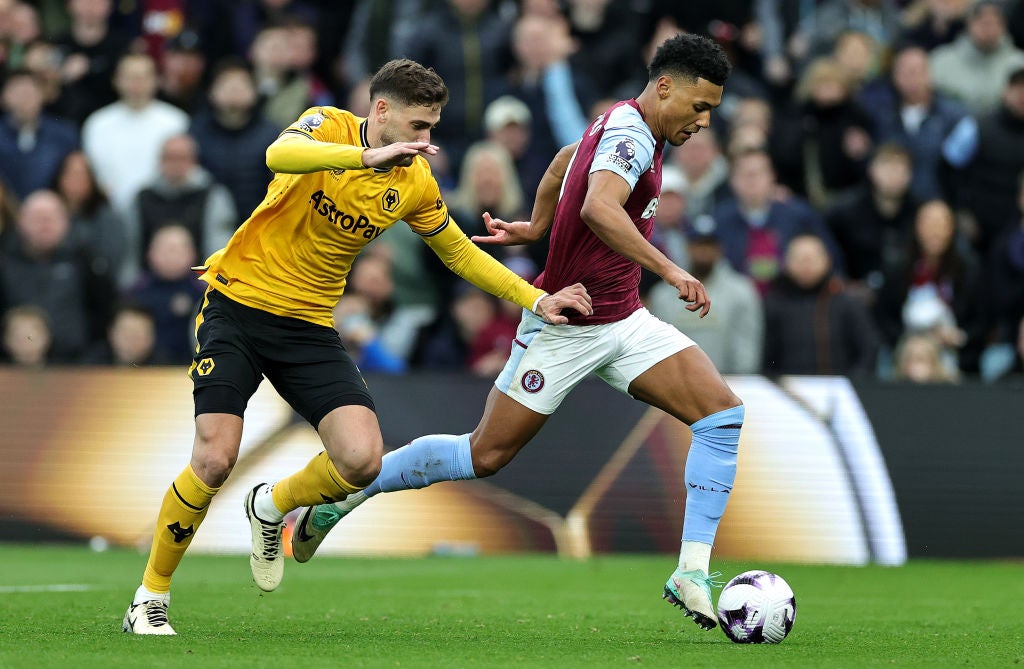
[292,256]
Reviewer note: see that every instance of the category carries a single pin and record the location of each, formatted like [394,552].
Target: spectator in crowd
[821,146]
[123,140]
[757,223]
[920,358]
[42,265]
[706,171]
[932,23]
[89,54]
[672,220]
[543,76]
[130,340]
[26,336]
[302,38]
[606,32]
[1006,274]
[467,43]
[732,333]
[248,18]
[42,59]
[396,326]
[859,55]
[812,325]
[871,223]
[508,122]
[284,97]
[906,109]
[820,27]
[1013,369]
[361,336]
[170,291]
[446,344]
[183,194]
[935,289]
[21,30]
[233,136]
[377,32]
[93,222]
[992,157]
[8,209]
[182,72]
[415,293]
[489,183]
[974,67]
[32,144]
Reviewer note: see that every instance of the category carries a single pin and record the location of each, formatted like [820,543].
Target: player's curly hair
[692,56]
[409,83]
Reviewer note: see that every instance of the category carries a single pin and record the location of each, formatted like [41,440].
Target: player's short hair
[692,56]
[407,82]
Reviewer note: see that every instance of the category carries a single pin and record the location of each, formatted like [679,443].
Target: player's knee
[489,461]
[361,466]
[213,466]
[214,452]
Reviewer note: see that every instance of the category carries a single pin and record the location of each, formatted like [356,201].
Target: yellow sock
[317,483]
[183,509]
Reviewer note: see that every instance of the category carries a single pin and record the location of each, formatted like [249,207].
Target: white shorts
[548,361]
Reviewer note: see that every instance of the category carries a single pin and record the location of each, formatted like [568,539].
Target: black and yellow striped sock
[183,509]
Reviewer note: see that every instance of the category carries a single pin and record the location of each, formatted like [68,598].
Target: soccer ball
[757,607]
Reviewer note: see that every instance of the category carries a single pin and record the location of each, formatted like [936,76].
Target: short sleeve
[626,147]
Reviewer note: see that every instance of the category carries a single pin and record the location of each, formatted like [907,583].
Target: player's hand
[504,233]
[399,154]
[573,297]
[691,291]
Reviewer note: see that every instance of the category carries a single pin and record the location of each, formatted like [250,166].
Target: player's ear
[381,107]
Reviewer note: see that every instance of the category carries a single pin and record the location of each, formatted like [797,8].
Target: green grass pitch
[511,611]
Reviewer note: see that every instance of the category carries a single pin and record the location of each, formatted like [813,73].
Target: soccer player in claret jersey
[599,199]
[340,182]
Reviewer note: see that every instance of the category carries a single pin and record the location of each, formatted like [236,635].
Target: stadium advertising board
[90,453]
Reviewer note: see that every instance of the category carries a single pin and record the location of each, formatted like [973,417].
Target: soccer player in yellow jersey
[340,182]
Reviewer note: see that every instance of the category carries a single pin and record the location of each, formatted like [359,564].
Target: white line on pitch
[56,587]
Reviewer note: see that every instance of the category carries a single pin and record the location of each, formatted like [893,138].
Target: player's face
[686,107]
[409,123]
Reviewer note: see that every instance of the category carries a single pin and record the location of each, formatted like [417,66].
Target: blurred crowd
[856,208]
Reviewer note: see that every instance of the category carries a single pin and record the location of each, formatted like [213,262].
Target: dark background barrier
[91,452]
[956,458]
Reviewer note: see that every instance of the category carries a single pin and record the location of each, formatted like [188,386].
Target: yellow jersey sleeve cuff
[536,302]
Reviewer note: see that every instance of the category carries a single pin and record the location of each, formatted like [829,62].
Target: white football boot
[149,617]
[267,558]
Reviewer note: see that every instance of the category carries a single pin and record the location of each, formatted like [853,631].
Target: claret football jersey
[292,256]
[619,141]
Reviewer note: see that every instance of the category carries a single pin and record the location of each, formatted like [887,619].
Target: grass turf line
[509,611]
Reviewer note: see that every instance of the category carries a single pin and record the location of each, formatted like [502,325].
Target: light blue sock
[424,461]
[710,472]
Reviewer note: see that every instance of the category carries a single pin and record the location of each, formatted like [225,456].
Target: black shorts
[306,363]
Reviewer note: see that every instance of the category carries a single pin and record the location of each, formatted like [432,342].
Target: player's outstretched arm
[294,153]
[604,214]
[509,233]
[474,265]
